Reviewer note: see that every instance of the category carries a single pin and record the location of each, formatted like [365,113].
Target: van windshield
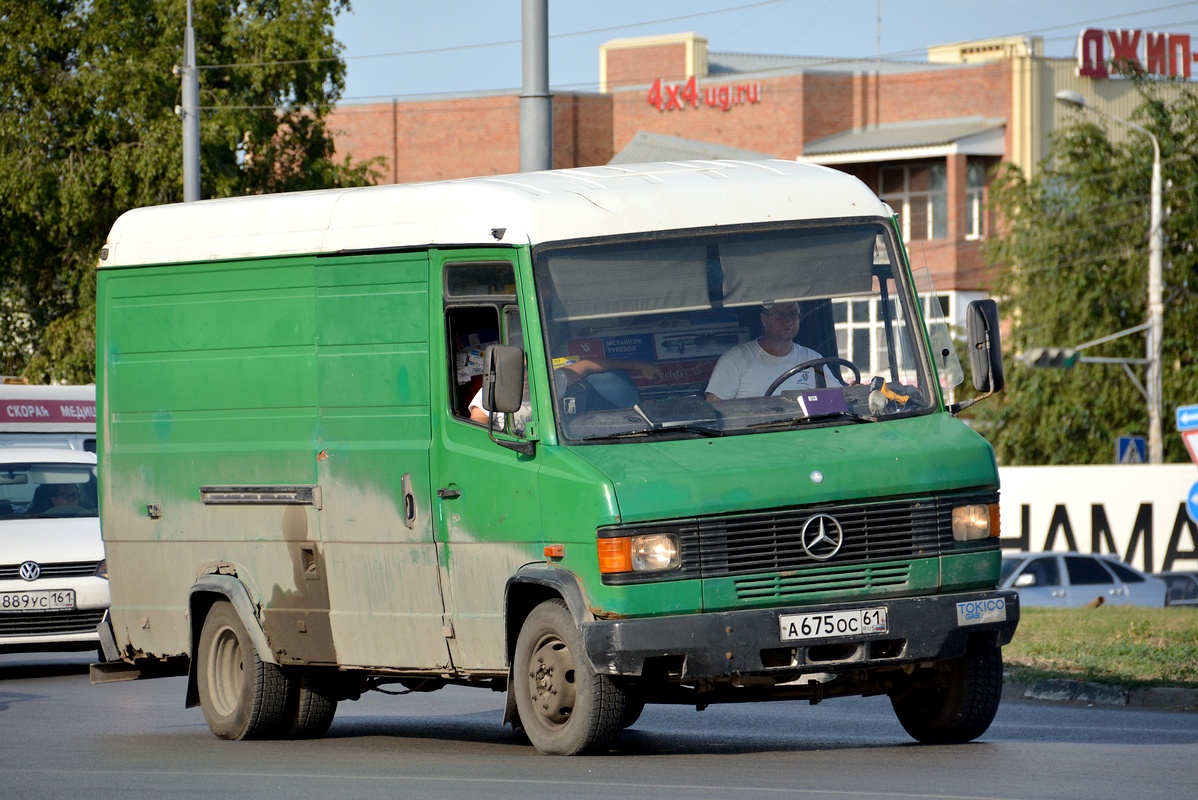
[46,489]
[732,333]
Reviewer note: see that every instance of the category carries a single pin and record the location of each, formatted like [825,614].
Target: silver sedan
[1076,580]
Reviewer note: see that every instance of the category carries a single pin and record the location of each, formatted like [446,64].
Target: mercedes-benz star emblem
[822,537]
[31,571]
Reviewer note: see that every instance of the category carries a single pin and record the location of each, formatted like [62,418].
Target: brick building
[924,135]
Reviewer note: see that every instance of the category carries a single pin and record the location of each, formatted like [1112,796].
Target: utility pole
[190,112]
[536,105]
[1156,305]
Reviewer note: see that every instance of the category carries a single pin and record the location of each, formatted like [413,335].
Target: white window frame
[903,199]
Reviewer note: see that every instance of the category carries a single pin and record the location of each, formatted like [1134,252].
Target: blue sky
[401,48]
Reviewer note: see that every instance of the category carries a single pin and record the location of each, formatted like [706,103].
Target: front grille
[772,542]
[33,623]
[65,569]
[763,553]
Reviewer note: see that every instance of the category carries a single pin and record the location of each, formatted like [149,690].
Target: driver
[748,369]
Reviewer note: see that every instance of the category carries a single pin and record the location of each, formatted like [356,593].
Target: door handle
[448,494]
[1058,592]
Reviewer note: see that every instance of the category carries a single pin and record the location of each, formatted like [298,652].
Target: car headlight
[974,522]
[649,552]
[102,569]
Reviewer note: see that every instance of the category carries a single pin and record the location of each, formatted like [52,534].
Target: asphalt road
[60,737]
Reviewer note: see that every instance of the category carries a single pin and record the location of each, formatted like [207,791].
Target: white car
[1074,580]
[53,578]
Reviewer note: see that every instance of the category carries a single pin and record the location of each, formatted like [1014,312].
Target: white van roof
[526,208]
[47,409]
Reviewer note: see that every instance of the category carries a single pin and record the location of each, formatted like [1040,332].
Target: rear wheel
[956,704]
[565,707]
[242,696]
[311,706]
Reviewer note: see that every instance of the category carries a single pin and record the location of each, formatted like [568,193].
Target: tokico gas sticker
[975,612]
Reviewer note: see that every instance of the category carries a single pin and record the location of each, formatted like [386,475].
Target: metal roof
[905,135]
[728,64]
[646,147]
[525,208]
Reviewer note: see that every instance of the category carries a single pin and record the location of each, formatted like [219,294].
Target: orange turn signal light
[615,555]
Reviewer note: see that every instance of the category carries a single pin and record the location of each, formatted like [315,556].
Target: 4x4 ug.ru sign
[677,96]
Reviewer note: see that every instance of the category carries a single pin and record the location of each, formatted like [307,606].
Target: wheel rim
[226,672]
[551,682]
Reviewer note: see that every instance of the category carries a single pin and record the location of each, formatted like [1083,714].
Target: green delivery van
[596,438]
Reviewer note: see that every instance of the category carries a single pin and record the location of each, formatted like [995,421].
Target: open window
[480,309]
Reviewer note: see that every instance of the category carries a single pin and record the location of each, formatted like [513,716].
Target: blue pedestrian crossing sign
[1131,450]
[1187,418]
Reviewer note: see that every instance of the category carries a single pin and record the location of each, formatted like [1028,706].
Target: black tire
[959,703]
[565,707]
[242,696]
[634,704]
[311,706]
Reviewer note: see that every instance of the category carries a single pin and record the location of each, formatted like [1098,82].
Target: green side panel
[374,339]
[201,360]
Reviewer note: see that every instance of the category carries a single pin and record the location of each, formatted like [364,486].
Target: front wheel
[565,707]
[960,700]
[242,696]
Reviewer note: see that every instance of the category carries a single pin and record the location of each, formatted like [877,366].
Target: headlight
[651,552]
[102,569]
[971,523]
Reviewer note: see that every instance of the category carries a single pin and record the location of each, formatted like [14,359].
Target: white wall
[1137,512]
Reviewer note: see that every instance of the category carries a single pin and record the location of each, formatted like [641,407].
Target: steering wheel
[815,362]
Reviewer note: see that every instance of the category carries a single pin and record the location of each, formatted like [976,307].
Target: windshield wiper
[658,429]
[813,418]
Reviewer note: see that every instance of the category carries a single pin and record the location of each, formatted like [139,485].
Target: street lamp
[1156,306]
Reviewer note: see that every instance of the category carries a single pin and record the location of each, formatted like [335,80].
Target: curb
[1097,694]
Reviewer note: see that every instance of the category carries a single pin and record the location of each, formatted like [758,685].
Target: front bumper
[729,644]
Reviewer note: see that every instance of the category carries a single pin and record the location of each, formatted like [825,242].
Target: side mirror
[503,391]
[1025,580]
[985,349]
[503,378]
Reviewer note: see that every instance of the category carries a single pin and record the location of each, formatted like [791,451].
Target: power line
[508,42]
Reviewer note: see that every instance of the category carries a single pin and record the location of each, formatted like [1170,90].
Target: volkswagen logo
[31,571]
[822,537]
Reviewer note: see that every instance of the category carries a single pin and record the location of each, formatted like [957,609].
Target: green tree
[1073,265]
[88,130]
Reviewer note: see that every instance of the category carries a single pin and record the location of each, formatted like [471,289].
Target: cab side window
[480,309]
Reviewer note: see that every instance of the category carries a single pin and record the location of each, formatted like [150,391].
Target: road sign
[1187,418]
[1192,503]
[1131,450]
[1191,440]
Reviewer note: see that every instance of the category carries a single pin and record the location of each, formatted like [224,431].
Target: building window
[919,194]
[861,332]
[975,188]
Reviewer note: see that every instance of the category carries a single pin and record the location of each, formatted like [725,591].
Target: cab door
[486,499]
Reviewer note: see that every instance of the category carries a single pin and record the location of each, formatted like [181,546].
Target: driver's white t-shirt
[747,371]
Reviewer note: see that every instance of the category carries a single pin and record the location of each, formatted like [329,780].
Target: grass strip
[1116,645]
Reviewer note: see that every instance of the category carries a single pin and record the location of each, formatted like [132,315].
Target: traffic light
[1051,357]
